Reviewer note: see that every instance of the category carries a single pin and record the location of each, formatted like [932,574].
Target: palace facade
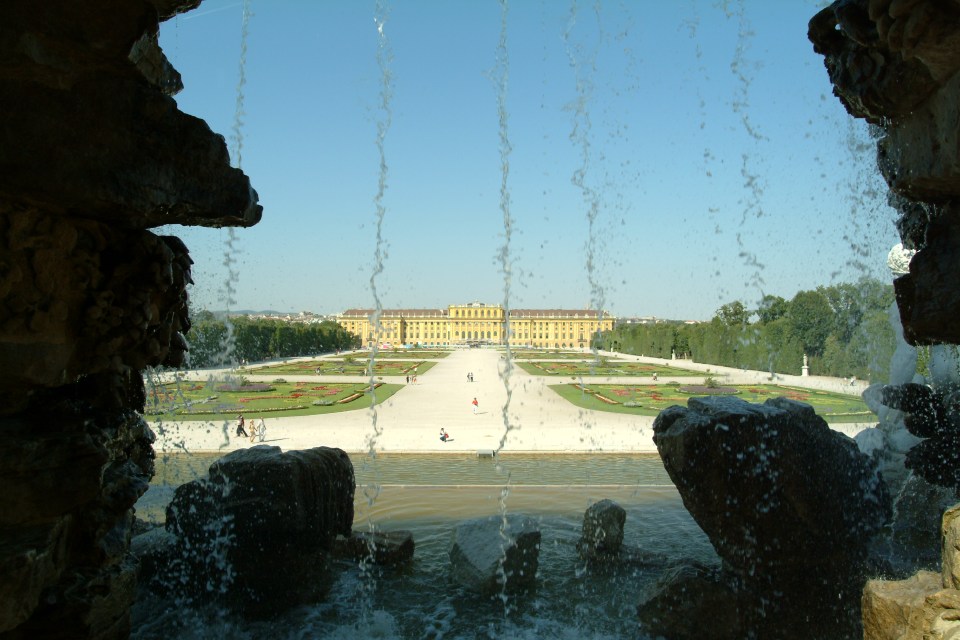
[477,323]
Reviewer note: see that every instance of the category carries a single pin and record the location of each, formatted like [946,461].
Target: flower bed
[703,390]
[246,388]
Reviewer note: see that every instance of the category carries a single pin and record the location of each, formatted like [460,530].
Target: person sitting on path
[476,405]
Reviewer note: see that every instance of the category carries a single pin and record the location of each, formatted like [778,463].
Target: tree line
[216,342]
[843,329]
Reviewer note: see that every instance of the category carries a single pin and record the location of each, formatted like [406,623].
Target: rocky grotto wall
[895,64]
[93,153]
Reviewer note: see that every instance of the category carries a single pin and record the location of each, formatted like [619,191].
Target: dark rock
[155,550]
[31,559]
[490,554]
[772,485]
[601,541]
[788,504]
[928,302]
[895,64]
[384,548]
[932,414]
[870,80]
[93,152]
[68,84]
[86,604]
[87,299]
[262,525]
[692,602]
[602,533]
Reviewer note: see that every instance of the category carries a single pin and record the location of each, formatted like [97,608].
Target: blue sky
[716,164]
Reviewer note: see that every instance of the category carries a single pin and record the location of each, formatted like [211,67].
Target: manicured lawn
[358,367]
[533,354]
[606,367]
[199,400]
[649,400]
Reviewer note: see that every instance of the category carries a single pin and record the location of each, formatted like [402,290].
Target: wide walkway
[521,415]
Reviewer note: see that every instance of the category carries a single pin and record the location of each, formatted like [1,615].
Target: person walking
[476,405]
[259,429]
[240,430]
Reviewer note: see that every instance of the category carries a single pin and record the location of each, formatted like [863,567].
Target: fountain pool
[430,495]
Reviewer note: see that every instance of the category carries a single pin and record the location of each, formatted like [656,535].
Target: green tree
[812,319]
[771,308]
[733,314]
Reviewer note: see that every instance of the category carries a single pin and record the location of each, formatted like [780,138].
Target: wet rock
[934,415]
[895,65]
[772,485]
[154,549]
[490,554]
[787,503]
[384,548]
[602,533]
[915,532]
[261,526]
[927,300]
[692,602]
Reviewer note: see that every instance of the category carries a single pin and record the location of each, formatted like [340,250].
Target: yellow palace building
[477,323]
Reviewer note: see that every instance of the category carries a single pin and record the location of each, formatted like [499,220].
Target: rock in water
[383,548]
[488,551]
[259,529]
[670,614]
[788,504]
[602,528]
[772,485]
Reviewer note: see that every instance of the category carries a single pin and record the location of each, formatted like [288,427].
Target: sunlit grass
[650,400]
[199,401]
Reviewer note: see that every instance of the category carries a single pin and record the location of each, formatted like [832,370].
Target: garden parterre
[199,399]
[604,367]
[652,399]
[346,367]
